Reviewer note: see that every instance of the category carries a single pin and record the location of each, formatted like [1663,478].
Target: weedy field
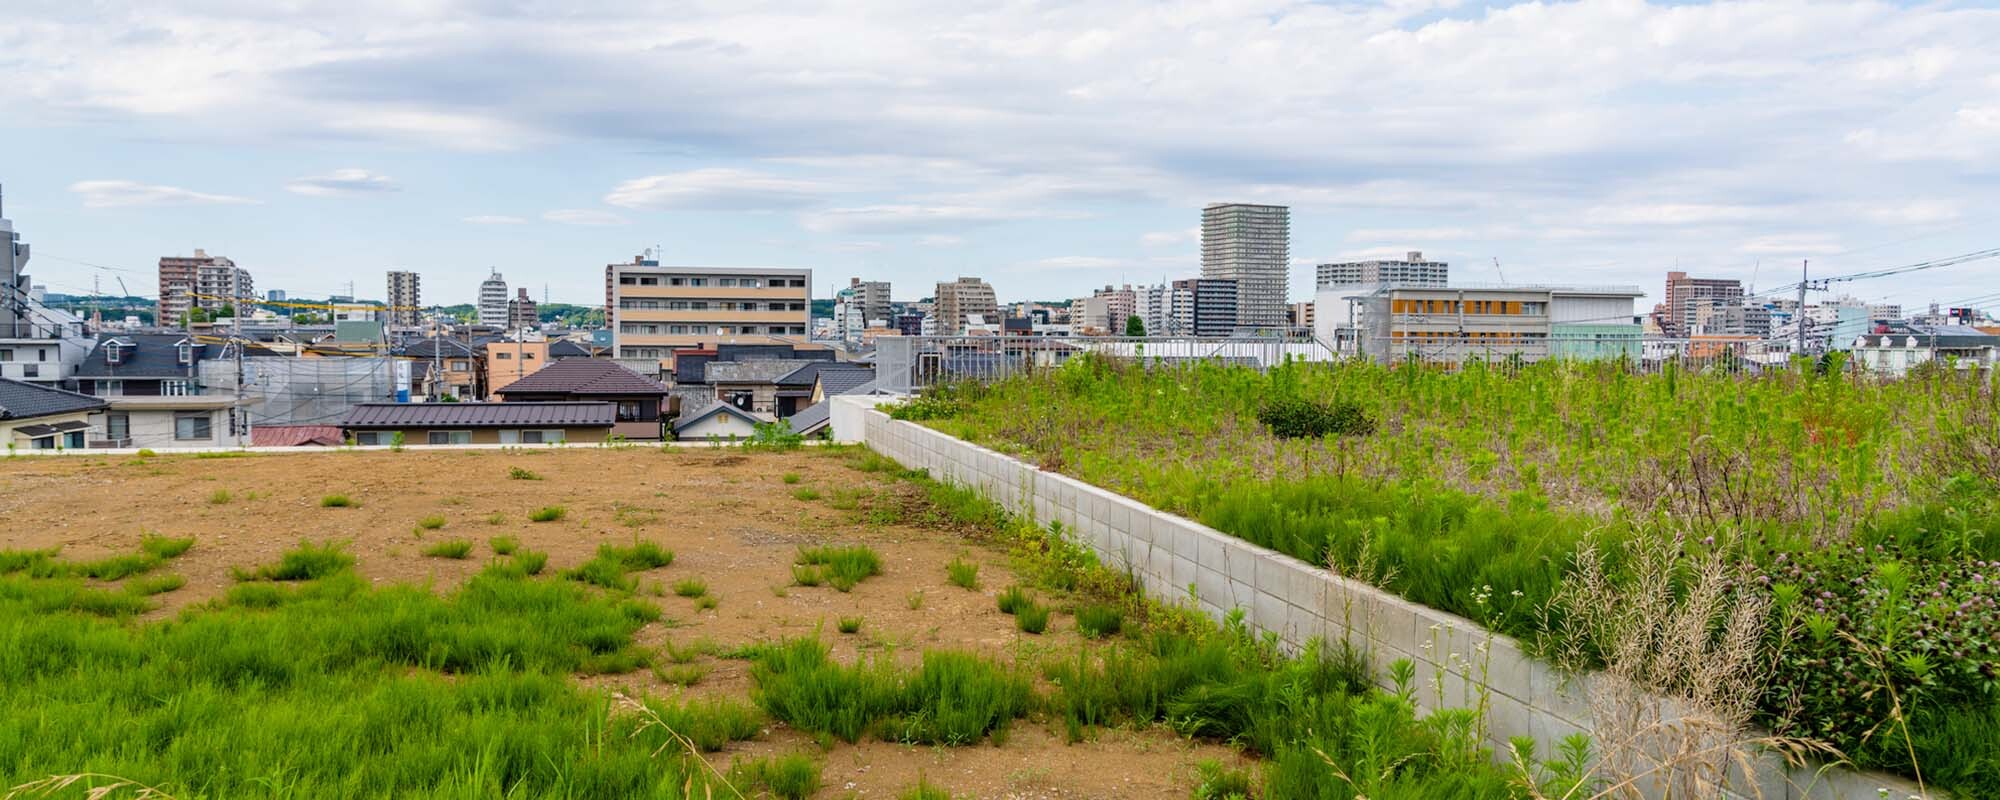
[1812,550]
[620,623]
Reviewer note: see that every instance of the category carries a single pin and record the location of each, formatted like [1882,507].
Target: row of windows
[691,280]
[1466,336]
[505,355]
[660,329]
[1533,308]
[7,354]
[168,388]
[546,436]
[655,304]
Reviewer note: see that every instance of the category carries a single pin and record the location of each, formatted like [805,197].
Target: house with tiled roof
[35,417]
[639,400]
[523,423]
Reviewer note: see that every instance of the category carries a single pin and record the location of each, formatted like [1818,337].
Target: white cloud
[1793,244]
[343,182]
[495,219]
[940,240]
[122,194]
[717,189]
[908,218]
[1170,238]
[584,216]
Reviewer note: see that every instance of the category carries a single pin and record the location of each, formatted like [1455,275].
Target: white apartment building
[405,297]
[493,301]
[1252,246]
[1412,271]
[653,309]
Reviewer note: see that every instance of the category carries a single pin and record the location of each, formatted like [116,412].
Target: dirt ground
[729,517]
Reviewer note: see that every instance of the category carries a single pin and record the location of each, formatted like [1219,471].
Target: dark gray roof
[569,349]
[430,348]
[584,376]
[480,415]
[156,355]
[809,374]
[844,381]
[810,419]
[755,371]
[23,400]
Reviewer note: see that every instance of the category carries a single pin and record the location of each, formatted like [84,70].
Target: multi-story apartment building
[1156,308]
[521,311]
[1205,307]
[959,300]
[1686,296]
[493,301]
[653,309]
[13,281]
[1498,323]
[860,305]
[1411,271]
[201,281]
[1251,245]
[405,297]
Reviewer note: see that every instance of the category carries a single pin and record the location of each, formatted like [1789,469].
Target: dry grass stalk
[48,786]
[1683,664]
[650,719]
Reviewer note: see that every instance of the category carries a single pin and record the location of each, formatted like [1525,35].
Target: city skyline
[1776,139]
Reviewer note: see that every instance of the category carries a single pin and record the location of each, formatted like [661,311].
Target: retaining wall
[1178,559]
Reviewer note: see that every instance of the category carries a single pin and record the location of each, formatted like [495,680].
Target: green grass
[520,474]
[1099,620]
[111,568]
[530,562]
[306,562]
[712,722]
[691,587]
[807,575]
[915,600]
[496,518]
[706,602]
[793,776]
[805,493]
[790,478]
[432,522]
[845,566]
[925,790]
[951,699]
[149,585]
[850,624]
[683,675]
[1013,599]
[450,548]
[337,501]
[547,514]
[963,574]
[1032,618]
[503,545]
[219,497]
[609,569]
[162,546]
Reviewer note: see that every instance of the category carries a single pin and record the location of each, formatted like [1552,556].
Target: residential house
[520,423]
[1898,347]
[296,436]
[169,421]
[36,417]
[640,400]
[144,365]
[720,421]
[449,367]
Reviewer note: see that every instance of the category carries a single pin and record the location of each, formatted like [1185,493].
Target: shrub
[1032,618]
[845,566]
[547,514]
[452,548]
[503,545]
[850,624]
[337,501]
[1099,620]
[146,452]
[522,474]
[432,522]
[806,575]
[691,587]
[793,776]
[1295,418]
[964,574]
[530,562]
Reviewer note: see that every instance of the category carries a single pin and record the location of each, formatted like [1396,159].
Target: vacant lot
[735,523]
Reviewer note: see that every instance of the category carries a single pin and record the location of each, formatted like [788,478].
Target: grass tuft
[850,624]
[219,497]
[521,474]
[925,790]
[794,776]
[807,575]
[805,493]
[963,574]
[791,478]
[149,585]
[504,545]
[845,566]
[450,548]
[691,587]
[307,562]
[337,501]
[1032,618]
[547,514]
[1014,599]
[432,522]
[1098,620]
[162,546]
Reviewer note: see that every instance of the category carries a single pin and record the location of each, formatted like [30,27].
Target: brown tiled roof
[480,415]
[584,376]
[295,435]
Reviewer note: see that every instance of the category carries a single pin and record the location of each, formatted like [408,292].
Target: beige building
[652,309]
[202,281]
[405,295]
[959,300]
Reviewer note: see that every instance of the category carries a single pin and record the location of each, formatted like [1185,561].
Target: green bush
[790,478]
[337,501]
[807,575]
[793,776]
[1293,418]
[163,546]
[522,474]
[1032,617]
[547,514]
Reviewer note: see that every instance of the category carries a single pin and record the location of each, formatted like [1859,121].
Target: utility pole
[237,419]
[1799,313]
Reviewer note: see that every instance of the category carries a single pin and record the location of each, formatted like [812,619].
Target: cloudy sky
[1048,146]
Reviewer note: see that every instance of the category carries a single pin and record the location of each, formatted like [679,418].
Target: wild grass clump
[1032,617]
[790,478]
[805,493]
[1297,418]
[162,546]
[683,675]
[547,514]
[450,548]
[432,522]
[706,602]
[337,501]
[850,625]
[522,474]
[1013,599]
[149,585]
[1099,620]
[503,545]
[845,566]
[793,776]
[530,562]
[307,562]
[691,587]
[220,497]
[963,574]
[111,568]
[807,575]
[951,699]
[925,790]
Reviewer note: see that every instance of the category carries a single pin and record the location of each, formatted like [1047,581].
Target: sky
[1049,147]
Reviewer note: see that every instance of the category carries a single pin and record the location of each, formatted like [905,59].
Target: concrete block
[1212,586]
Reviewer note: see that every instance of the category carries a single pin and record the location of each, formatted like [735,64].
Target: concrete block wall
[1178,559]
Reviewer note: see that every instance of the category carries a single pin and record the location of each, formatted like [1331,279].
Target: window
[798,282]
[44,443]
[118,426]
[676,281]
[6,354]
[113,354]
[192,426]
[31,370]
[174,389]
[41,354]
[503,356]
[110,388]
[677,329]
[551,436]
[628,410]
[698,305]
[749,283]
[628,280]
[725,282]
[527,356]
[184,353]
[697,281]
[73,440]
[459,366]
[370,438]
[448,437]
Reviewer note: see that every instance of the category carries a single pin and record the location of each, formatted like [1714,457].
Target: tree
[197,315]
[227,310]
[1134,326]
